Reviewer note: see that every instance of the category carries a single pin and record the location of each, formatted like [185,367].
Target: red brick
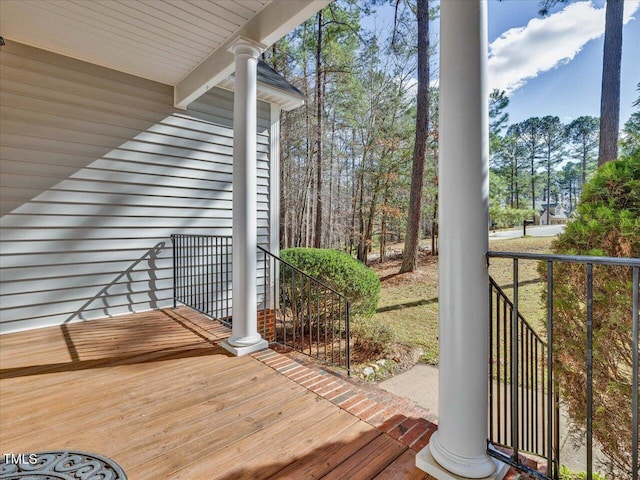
[275,359]
[322,383]
[327,388]
[414,433]
[399,430]
[382,416]
[423,441]
[371,414]
[295,371]
[311,381]
[361,407]
[392,422]
[353,401]
[301,375]
[263,354]
[280,362]
[336,393]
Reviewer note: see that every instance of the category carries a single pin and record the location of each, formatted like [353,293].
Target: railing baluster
[293,308]
[218,274]
[309,306]
[549,364]
[347,322]
[589,363]
[498,382]
[324,320]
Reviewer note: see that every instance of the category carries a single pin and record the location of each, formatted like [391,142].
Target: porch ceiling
[176,42]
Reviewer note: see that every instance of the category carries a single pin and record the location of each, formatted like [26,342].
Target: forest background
[346,155]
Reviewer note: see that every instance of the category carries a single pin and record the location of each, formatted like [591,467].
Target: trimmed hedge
[341,272]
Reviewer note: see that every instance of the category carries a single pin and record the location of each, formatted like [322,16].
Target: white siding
[97,170]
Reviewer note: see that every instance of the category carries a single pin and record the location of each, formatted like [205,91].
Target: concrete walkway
[420,384]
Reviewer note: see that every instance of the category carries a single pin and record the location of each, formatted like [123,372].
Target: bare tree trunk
[332,201]
[610,96]
[319,103]
[533,182]
[434,224]
[410,254]
[353,196]
[584,161]
[362,249]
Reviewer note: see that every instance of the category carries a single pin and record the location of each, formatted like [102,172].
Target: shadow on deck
[156,393]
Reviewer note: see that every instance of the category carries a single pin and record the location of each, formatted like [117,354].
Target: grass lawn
[409,302]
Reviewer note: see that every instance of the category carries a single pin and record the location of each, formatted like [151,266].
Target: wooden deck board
[156,393]
[332,453]
[403,467]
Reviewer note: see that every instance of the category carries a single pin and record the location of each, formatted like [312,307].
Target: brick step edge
[398,417]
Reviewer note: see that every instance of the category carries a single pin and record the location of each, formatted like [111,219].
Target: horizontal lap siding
[97,169]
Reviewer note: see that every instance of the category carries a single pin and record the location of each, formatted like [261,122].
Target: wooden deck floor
[156,393]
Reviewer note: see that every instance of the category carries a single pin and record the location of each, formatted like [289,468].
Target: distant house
[557,215]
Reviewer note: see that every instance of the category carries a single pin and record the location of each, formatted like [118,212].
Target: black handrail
[519,353]
[311,317]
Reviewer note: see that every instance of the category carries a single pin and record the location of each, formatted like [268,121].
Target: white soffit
[269,94]
[176,42]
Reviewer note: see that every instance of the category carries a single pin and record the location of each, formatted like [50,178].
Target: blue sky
[552,65]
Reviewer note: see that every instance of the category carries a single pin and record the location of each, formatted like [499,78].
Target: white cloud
[521,54]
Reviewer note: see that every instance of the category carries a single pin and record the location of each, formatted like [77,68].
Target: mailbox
[524,226]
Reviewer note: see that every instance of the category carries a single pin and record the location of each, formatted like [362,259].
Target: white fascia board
[267,27]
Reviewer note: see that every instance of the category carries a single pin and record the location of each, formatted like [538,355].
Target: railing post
[589,365]
[175,270]
[634,416]
[550,400]
[348,343]
[515,431]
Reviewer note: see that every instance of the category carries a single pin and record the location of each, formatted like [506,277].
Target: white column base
[426,463]
[245,350]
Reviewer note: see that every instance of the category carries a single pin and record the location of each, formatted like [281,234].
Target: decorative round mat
[59,465]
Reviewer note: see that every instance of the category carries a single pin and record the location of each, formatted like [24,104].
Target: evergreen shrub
[341,272]
[607,224]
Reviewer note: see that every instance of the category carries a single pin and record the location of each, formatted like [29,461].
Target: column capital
[246,46]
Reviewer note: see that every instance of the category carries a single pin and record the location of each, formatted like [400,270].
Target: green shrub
[509,217]
[341,272]
[607,224]
[566,474]
[371,338]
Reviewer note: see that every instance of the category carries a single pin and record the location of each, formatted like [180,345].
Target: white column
[458,448]
[274,202]
[245,337]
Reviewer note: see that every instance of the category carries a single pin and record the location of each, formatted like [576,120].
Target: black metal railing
[202,274]
[310,316]
[295,310]
[525,391]
[523,403]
